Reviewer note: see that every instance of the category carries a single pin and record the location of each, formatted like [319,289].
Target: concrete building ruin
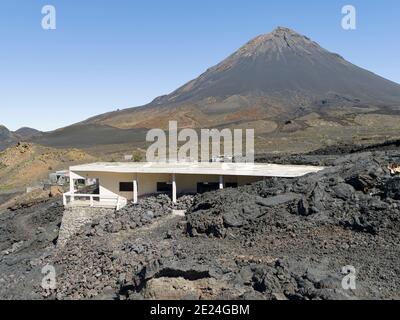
[119,183]
[59,177]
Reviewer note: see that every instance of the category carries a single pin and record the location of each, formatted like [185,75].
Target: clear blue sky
[109,54]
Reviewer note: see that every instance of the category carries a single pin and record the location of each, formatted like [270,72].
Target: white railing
[93,200]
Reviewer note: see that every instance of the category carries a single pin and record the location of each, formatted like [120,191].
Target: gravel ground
[27,237]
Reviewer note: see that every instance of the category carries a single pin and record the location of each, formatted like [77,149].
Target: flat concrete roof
[201,168]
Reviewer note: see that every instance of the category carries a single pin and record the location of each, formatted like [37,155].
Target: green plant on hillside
[137,156]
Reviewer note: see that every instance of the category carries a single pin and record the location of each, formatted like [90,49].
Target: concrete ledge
[180,213]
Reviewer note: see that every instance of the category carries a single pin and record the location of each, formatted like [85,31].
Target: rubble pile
[358,193]
[137,215]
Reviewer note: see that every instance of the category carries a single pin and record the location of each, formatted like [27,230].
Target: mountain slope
[286,62]
[7,138]
[26,133]
[281,84]
[25,164]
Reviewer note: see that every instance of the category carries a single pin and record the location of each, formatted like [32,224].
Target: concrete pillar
[173,188]
[71,187]
[135,191]
[221,182]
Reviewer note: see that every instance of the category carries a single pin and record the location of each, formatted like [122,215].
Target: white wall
[147,182]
